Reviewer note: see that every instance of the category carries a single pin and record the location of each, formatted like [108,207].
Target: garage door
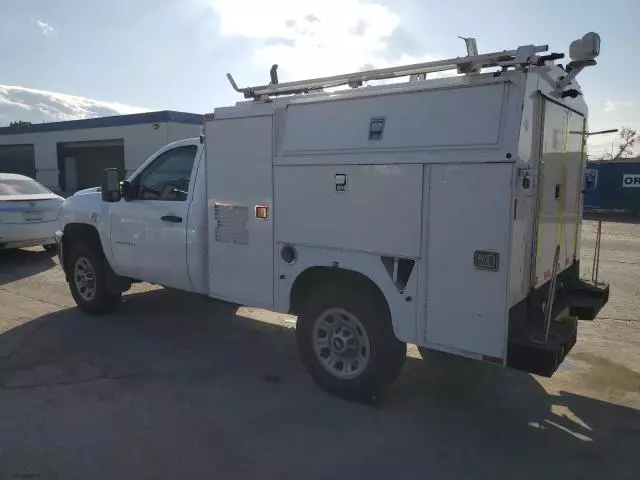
[17,159]
[81,164]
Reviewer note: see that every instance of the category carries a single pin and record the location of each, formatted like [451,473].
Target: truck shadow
[16,264]
[217,391]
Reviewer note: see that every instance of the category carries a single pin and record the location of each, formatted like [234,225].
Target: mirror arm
[125,188]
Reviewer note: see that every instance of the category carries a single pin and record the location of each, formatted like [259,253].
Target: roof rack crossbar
[522,56]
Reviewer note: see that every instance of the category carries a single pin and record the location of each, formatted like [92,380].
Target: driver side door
[148,232]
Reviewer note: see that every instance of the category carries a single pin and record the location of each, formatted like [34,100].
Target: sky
[135,55]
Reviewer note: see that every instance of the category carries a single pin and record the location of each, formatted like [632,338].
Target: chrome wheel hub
[84,277]
[340,343]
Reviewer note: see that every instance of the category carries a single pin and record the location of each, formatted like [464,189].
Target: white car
[28,213]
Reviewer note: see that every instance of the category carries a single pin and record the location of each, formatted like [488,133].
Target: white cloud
[31,105]
[47,29]
[611,106]
[310,38]
[615,114]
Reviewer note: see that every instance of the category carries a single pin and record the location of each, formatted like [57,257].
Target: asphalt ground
[175,386]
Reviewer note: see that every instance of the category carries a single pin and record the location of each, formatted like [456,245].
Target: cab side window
[168,176]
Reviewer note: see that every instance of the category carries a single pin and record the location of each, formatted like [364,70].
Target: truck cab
[442,212]
[161,215]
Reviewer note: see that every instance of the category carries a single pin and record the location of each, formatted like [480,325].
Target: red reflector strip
[490,359]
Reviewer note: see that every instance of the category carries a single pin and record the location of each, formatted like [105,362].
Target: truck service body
[443,212]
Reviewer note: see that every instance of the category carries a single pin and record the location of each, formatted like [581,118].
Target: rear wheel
[88,280]
[346,342]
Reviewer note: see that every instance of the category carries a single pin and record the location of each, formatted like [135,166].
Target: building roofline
[111,121]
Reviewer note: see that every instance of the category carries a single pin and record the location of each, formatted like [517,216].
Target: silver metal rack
[519,58]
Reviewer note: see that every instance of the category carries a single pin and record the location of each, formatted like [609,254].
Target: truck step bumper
[586,299]
[529,352]
[576,299]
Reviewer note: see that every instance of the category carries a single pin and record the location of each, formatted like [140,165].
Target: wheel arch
[314,277]
[74,233]
[365,300]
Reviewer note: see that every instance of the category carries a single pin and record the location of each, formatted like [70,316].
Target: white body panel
[86,207]
[198,230]
[337,125]
[467,308]
[527,269]
[311,212]
[559,189]
[27,234]
[239,178]
[145,247]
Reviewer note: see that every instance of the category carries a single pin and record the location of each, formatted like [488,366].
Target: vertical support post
[552,293]
[544,338]
[596,254]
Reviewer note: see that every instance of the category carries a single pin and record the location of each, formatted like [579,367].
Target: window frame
[136,179]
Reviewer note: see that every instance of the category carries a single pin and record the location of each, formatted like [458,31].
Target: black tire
[387,353]
[102,301]
[51,248]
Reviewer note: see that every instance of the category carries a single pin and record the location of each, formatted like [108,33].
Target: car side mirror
[111,185]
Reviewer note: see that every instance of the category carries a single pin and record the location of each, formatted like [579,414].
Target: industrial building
[71,155]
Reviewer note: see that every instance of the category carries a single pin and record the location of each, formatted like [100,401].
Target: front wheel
[88,282]
[346,341]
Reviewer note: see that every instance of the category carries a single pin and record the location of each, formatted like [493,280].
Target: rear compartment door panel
[559,190]
[469,211]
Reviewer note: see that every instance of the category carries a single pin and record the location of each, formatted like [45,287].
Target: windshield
[19,186]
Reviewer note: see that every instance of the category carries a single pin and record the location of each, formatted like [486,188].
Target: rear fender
[329,265]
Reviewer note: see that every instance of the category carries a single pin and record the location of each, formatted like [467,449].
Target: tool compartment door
[468,237]
[559,190]
[239,192]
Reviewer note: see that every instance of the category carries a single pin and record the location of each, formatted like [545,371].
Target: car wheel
[346,341]
[88,280]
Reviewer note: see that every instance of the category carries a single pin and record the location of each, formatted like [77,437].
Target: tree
[628,139]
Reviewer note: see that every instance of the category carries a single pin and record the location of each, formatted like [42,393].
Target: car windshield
[19,186]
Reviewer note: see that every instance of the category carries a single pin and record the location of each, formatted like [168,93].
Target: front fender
[86,207]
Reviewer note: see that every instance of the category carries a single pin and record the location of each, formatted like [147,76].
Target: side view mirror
[111,185]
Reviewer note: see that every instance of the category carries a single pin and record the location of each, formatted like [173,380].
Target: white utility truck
[443,212]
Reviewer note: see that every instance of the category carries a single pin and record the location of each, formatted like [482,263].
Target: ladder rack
[521,57]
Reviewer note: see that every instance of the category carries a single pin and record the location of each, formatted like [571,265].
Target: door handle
[172,218]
